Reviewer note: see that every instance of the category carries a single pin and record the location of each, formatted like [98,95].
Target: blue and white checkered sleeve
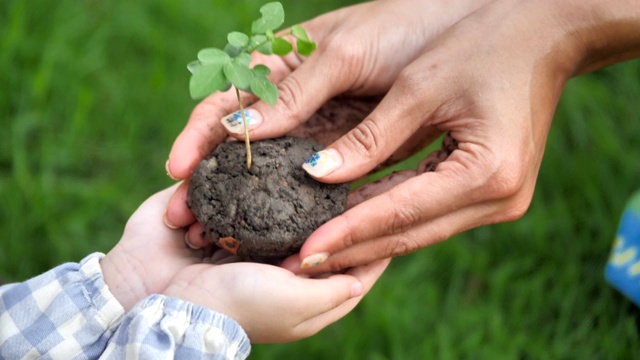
[65,313]
[69,313]
[160,327]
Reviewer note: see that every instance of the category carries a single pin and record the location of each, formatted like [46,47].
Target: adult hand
[153,259]
[361,51]
[492,83]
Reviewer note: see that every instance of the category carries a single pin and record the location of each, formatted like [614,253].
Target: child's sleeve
[160,327]
[69,313]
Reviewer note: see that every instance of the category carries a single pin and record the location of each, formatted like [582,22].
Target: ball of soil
[264,213]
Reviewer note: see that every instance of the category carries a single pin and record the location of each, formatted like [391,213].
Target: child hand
[270,303]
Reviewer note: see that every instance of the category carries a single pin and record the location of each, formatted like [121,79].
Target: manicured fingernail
[314,260]
[357,289]
[166,166]
[322,163]
[168,223]
[233,122]
[186,241]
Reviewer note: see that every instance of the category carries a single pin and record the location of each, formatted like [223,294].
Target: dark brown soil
[267,212]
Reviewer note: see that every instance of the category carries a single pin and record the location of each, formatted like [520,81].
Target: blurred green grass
[93,94]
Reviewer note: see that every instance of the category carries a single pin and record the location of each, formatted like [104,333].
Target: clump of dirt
[264,213]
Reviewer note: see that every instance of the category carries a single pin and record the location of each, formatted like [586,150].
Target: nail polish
[234,124]
[314,260]
[322,163]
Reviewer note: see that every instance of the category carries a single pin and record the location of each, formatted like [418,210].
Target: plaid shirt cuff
[69,313]
[65,313]
[161,327]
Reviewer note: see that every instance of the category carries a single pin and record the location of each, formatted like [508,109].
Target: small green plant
[219,69]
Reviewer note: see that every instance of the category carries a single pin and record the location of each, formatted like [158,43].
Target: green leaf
[281,46]
[238,74]
[212,56]
[270,35]
[272,18]
[299,33]
[261,44]
[305,47]
[231,50]
[194,66]
[261,70]
[207,80]
[238,39]
[264,89]
[244,59]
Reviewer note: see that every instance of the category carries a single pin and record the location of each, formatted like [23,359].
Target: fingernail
[233,122]
[166,167]
[168,224]
[186,241]
[322,163]
[357,289]
[314,260]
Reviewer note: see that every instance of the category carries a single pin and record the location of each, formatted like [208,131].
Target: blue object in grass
[623,268]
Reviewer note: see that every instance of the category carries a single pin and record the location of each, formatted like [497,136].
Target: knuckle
[366,138]
[290,95]
[405,214]
[505,178]
[341,54]
[347,230]
[516,207]
[401,245]
[505,185]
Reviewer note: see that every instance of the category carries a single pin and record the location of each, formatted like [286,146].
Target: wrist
[598,33]
[122,282]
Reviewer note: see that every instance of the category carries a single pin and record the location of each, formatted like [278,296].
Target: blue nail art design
[236,118]
[313,160]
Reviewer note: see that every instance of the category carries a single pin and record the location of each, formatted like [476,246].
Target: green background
[92,94]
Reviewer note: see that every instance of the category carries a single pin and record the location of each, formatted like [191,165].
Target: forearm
[580,36]
[606,32]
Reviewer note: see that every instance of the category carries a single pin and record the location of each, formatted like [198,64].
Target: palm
[149,252]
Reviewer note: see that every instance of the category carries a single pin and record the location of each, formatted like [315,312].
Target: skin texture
[489,76]
[152,258]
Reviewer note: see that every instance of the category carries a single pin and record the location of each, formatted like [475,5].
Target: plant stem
[247,142]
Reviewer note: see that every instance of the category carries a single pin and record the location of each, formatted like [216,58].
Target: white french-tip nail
[322,163]
[314,260]
[234,124]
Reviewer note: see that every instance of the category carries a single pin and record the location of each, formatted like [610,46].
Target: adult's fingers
[204,131]
[401,115]
[201,135]
[457,183]
[430,232]
[316,80]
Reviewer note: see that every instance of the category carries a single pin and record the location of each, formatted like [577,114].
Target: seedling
[220,69]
